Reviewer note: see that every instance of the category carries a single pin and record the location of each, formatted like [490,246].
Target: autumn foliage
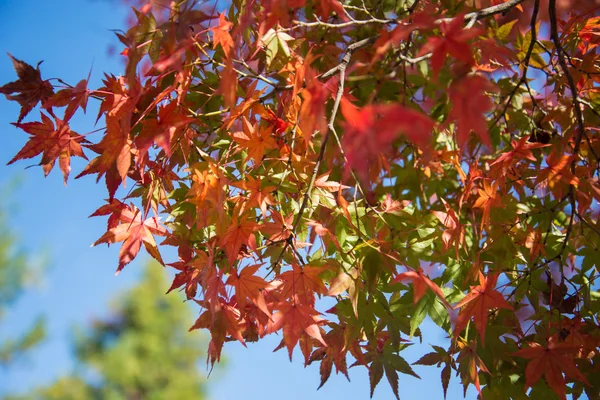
[404,158]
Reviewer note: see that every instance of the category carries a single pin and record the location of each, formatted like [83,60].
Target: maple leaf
[248,286]
[454,232]
[194,272]
[470,103]
[335,353]
[255,139]
[30,87]
[162,130]
[558,170]
[453,42]
[71,97]
[221,35]
[295,318]
[240,232]
[270,117]
[388,120]
[346,281]
[302,283]
[228,84]
[324,8]
[323,232]
[470,364]
[207,187]
[420,284]
[280,229]
[221,320]
[250,101]
[132,231]
[478,303]
[312,112]
[521,151]
[590,35]
[115,148]
[53,142]
[322,182]
[551,361]
[488,198]
[257,195]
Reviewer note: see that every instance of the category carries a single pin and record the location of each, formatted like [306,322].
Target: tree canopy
[407,159]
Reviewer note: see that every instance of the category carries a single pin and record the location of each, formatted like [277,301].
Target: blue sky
[72,36]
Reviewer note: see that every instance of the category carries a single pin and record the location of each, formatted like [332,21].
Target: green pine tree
[142,351]
[16,271]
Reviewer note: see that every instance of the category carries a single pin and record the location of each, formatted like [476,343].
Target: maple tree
[405,159]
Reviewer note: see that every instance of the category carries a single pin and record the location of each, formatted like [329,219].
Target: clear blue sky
[71,36]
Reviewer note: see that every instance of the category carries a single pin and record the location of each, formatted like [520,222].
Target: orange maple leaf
[240,232]
[248,286]
[558,170]
[255,139]
[420,285]
[295,318]
[132,231]
[478,303]
[551,361]
[488,198]
[303,283]
[258,196]
[280,229]
[30,86]
[53,143]
[221,35]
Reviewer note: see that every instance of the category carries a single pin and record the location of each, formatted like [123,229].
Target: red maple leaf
[478,303]
[132,231]
[470,364]
[470,103]
[454,232]
[453,42]
[420,285]
[115,148]
[71,97]
[53,142]
[162,130]
[551,361]
[521,151]
[30,87]
[372,130]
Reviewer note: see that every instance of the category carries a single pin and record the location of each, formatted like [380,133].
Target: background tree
[142,351]
[17,271]
[405,158]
